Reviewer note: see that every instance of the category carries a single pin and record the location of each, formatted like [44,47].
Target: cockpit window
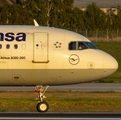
[90,45]
[72,46]
[81,46]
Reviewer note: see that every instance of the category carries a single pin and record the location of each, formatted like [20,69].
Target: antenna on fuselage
[35,23]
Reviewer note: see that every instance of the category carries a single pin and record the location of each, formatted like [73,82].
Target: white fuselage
[32,55]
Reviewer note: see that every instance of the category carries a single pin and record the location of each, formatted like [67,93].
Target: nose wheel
[41,106]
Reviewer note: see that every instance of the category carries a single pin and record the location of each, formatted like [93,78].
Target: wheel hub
[43,107]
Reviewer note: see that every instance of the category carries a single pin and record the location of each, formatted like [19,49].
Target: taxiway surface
[76,87]
[56,115]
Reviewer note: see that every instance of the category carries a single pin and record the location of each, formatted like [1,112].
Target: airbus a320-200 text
[14,57]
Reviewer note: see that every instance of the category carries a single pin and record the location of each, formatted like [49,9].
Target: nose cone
[110,65]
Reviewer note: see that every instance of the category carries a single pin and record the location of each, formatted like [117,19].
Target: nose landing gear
[41,106]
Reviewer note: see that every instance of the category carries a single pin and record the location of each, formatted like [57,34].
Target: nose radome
[109,62]
[110,65]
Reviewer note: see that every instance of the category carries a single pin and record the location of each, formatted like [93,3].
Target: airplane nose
[110,65]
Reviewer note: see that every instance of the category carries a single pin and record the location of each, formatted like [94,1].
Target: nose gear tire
[42,107]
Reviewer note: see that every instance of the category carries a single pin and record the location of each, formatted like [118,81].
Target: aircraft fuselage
[32,55]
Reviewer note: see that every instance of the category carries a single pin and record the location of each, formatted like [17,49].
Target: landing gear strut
[41,106]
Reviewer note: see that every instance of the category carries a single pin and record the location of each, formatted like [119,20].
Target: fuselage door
[40,47]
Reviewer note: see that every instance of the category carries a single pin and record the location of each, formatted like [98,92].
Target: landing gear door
[40,47]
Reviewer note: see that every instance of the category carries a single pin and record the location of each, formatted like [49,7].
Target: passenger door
[40,47]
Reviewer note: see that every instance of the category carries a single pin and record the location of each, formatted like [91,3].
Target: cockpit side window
[81,46]
[72,46]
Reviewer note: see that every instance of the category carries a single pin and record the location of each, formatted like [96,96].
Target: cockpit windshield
[77,45]
[90,45]
[82,45]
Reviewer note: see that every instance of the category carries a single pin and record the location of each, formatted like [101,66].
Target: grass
[62,105]
[17,104]
[114,49]
[85,105]
[62,101]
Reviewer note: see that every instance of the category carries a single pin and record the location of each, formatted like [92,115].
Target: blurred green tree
[95,18]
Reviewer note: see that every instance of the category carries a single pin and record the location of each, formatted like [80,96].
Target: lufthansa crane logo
[74,59]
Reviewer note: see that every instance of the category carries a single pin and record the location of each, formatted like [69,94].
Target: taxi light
[37,90]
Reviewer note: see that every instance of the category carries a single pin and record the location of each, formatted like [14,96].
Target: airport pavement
[64,116]
[60,116]
[76,87]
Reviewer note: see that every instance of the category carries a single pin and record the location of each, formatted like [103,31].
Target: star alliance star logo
[57,44]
